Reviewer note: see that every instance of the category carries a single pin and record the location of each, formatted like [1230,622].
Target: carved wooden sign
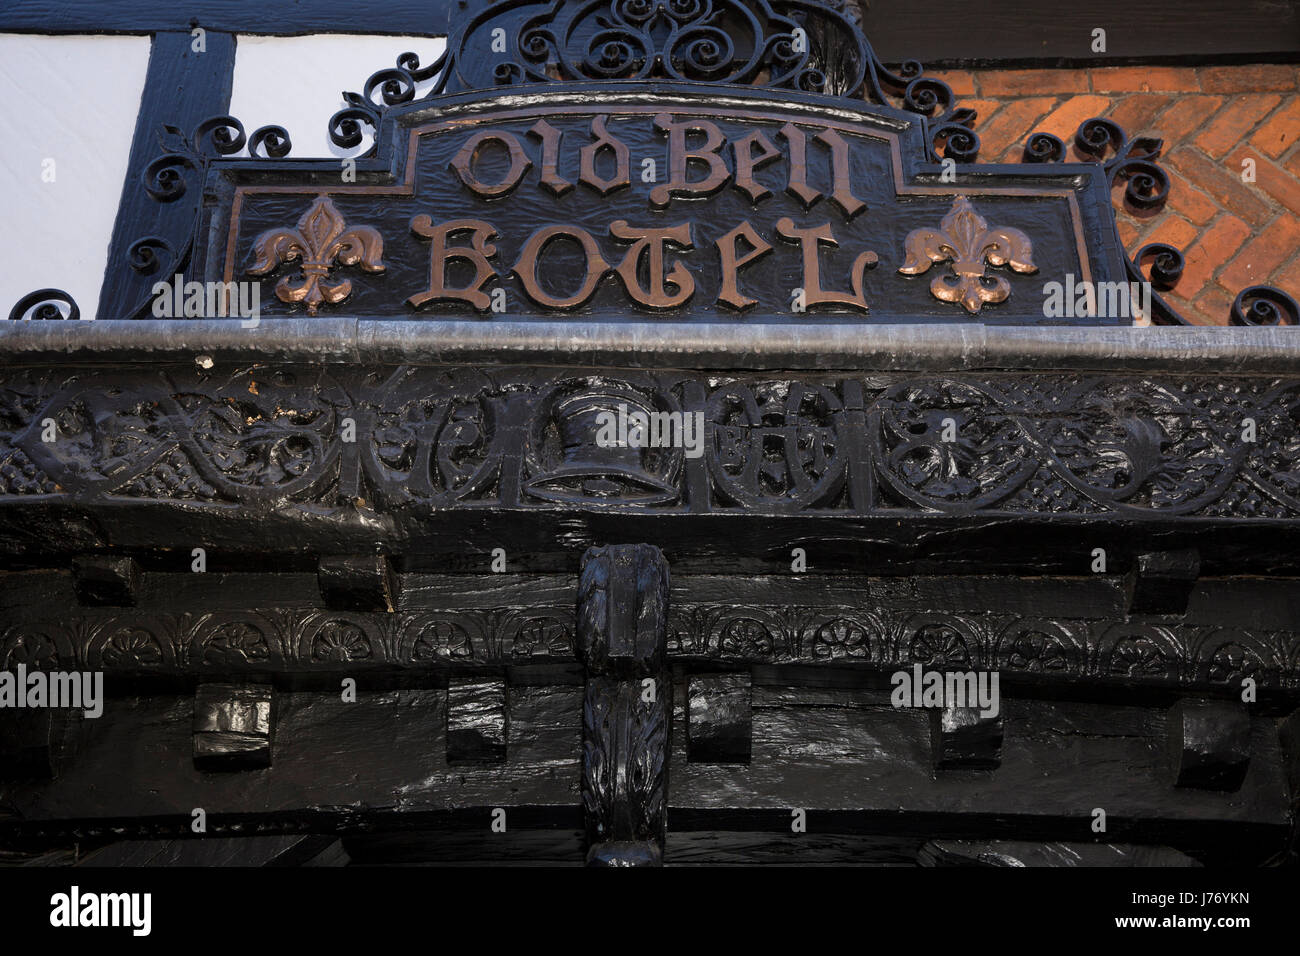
[610,207]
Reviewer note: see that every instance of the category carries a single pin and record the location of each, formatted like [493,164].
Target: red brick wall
[1233,234]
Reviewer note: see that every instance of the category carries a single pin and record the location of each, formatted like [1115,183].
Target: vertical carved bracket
[626,714]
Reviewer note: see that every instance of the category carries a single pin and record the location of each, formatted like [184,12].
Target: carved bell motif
[591,465]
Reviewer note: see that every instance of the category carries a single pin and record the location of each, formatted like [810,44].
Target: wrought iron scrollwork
[151,255]
[270,142]
[804,45]
[43,304]
[395,85]
[1166,269]
[1044,148]
[1264,305]
[1133,162]
[182,163]
[952,135]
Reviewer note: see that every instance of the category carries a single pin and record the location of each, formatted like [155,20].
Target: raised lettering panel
[623,213]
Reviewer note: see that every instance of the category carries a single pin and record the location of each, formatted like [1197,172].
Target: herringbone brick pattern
[1233,233]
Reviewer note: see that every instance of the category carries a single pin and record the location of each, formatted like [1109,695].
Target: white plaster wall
[73,100]
[297,82]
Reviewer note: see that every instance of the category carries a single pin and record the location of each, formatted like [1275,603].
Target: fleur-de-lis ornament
[966,239]
[320,240]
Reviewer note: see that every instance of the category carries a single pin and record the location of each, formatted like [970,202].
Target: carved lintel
[1160,582]
[26,743]
[477,724]
[961,738]
[357,582]
[719,718]
[232,726]
[627,707]
[1209,744]
[105,582]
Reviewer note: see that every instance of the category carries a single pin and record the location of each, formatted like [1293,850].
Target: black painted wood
[622,619]
[182,89]
[337,767]
[469,710]
[242,851]
[233,726]
[477,721]
[859,767]
[357,582]
[496,468]
[1209,744]
[1051,32]
[964,32]
[719,725]
[1066,638]
[279,17]
[1160,582]
[1023,853]
[105,581]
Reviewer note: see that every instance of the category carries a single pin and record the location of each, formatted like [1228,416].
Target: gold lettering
[797,184]
[813,293]
[594,267]
[843,194]
[464,161]
[477,254]
[747,163]
[732,263]
[587,160]
[550,139]
[680,158]
[650,242]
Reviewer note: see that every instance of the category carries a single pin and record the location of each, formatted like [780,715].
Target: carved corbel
[627,709]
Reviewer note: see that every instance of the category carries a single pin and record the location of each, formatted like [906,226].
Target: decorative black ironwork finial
[797,45]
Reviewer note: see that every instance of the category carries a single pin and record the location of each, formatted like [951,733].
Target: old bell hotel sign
[653,201]
[753,212]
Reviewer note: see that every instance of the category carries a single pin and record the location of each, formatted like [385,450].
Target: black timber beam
[270,17]
[183,87]
[966,32]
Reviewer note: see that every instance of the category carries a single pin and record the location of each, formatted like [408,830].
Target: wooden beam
[622,635]
[964,32]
